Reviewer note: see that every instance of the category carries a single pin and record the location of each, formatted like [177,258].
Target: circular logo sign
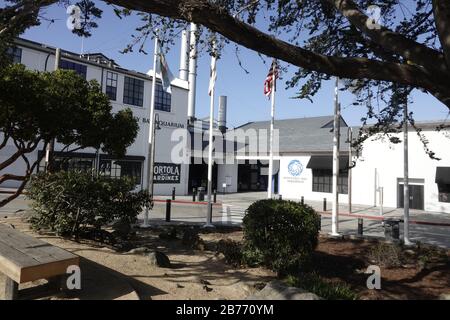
[295,168]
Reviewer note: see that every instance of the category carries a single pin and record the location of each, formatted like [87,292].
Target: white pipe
[184,56]
[192,72]
[335,211]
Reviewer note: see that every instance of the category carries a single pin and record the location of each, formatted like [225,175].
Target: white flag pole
[272,120]
[406,239]
[151,133]
[210,144]
[337,120]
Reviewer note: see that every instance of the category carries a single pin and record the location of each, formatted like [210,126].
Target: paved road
[184,211]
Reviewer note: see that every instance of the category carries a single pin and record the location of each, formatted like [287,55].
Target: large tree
[378,59]
[411,46]
[38,107]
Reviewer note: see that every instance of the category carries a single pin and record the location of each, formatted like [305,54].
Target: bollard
[215,196]
[360,227]
[173,193]
[194,191]
[302,201]
[324,204]
[168,205]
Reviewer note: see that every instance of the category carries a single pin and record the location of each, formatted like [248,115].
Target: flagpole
[150,153]
[272,120]
[337,120]
[210,144]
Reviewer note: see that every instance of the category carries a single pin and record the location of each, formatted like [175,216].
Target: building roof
[304,135]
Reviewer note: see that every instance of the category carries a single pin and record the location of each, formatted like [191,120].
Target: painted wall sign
[166,173]
[293,172]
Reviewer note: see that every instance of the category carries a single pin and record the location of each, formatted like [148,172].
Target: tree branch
[391,41]
[441,11]
[219,20]
[19,191]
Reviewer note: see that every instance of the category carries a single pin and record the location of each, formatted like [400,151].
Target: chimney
[222,118]
[192,73]
[184,56]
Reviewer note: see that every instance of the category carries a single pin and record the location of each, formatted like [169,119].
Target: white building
[303,160]
[126,89]
[305,166]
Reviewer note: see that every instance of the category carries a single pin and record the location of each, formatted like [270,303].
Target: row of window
[109,168]
[133,91]
[323,181]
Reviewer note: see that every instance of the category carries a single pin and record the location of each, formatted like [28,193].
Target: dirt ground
[203,274]
[191,270]
[421,277]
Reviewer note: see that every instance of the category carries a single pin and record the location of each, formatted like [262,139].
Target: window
[78,68]
[70,163]
[121,168]
[15,54]
[111,85]
[323,181]
[133,92]
[163,99]
[444,192]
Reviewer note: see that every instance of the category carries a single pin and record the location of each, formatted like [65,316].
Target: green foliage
[71,203]
[232,251]
[280,234]
[312,282]
[37,107]
[41,106]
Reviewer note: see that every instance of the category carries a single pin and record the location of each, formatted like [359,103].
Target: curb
[378,218]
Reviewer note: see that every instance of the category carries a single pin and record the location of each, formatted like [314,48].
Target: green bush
[75,203]
[232,251]
[312,282]
[279,234]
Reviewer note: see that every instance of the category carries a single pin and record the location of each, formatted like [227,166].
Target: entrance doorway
[416,196]
[251,177]
[198,176]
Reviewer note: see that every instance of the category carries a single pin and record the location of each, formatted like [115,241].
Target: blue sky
[246,101]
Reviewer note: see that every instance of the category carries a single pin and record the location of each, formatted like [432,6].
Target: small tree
[37,107]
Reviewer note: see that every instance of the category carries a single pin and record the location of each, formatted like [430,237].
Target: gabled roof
[311,135]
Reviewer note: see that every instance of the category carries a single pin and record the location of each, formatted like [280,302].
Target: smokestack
[192,72]
[184,56]
[222,119]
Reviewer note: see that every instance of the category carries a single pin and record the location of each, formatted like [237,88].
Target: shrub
[232,251]
[280,234]
[312,282]
[74,203]
[386,254]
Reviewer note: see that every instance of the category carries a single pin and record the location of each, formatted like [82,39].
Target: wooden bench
[24,259]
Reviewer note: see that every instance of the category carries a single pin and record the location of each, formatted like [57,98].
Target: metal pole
[168,207]
[272,121]
[51,145]
[406,176]
[335,208]
[151,133]
[350,161]
[210,154]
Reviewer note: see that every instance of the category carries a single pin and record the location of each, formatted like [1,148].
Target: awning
[443,175]
[326,163]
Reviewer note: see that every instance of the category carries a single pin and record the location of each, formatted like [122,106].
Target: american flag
[270,78]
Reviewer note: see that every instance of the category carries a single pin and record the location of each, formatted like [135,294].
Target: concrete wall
[387,160]
[381,165]
[227,173]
